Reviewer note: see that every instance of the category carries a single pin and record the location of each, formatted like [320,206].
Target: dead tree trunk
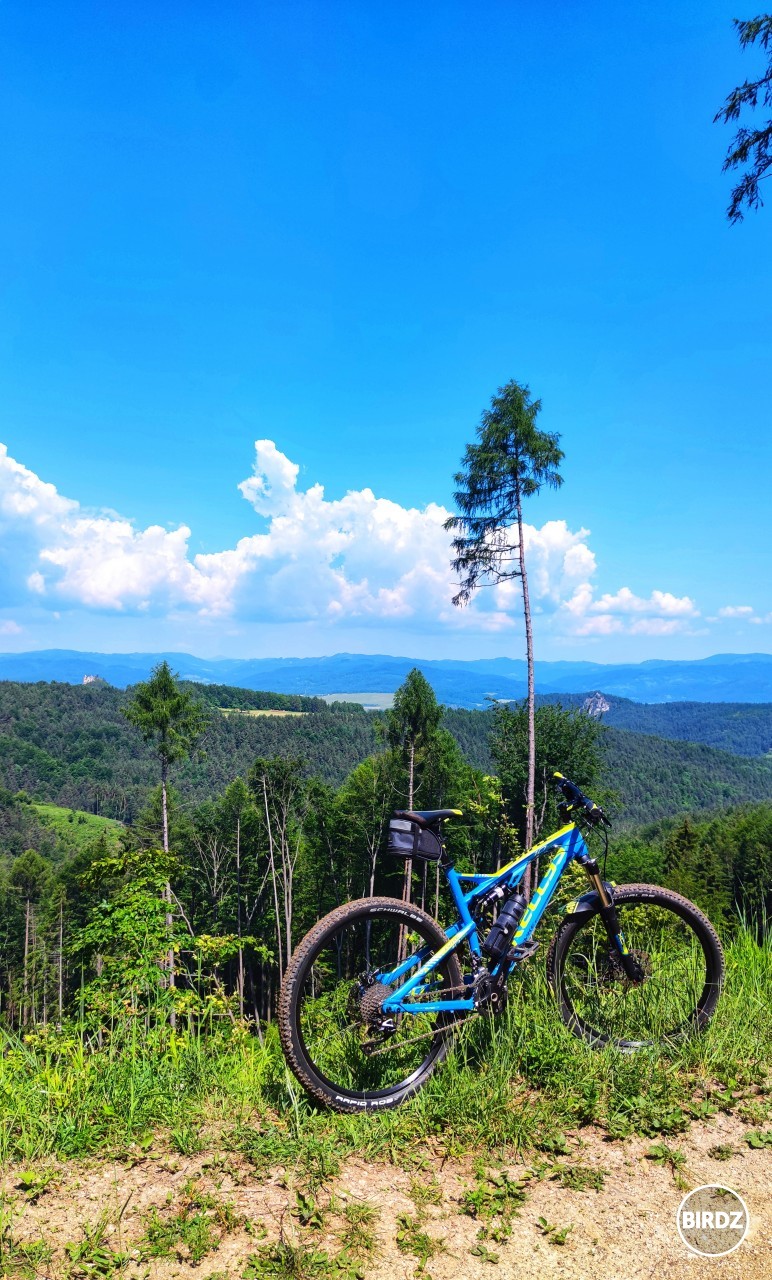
[532,872]
[407,887]
[170,978]
[240,978]
[274,883]
[61,962]
[25,996]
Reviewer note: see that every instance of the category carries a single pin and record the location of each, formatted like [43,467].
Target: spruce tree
[511,461]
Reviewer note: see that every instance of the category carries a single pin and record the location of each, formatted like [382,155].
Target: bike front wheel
[678,951]
[347,1052]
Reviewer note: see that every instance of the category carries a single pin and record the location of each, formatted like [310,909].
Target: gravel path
[624,1230]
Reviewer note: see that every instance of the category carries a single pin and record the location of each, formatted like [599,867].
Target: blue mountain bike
[375,992]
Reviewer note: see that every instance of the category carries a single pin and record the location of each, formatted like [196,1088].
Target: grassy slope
[75,829]
[242,711]
[523,1078]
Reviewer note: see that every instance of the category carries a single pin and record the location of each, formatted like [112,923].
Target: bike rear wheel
[344,1049]
[682,961]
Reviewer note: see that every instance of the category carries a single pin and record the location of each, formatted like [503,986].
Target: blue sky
[338,227]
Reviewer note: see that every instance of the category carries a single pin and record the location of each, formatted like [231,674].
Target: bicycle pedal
[525,950]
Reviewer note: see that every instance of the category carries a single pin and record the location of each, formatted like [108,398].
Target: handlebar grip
[572,793]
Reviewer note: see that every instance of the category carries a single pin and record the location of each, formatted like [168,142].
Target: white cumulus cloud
[359,557]
[736,611]
[743,613]
[659,614]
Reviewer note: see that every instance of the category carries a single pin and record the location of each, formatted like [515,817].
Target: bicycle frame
[567,844]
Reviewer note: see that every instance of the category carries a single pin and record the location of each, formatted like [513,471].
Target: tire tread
[655,893]
[288,996]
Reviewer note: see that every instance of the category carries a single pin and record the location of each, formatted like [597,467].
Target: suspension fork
[608,914]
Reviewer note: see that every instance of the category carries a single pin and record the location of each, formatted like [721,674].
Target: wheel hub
[615,971]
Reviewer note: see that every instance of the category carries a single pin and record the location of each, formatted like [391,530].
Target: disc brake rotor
[615,972]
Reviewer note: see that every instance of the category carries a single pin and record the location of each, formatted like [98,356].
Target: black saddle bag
[408,840]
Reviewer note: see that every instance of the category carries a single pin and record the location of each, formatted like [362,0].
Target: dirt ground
[624,1231]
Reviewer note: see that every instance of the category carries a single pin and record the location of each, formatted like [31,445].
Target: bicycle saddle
[427,817]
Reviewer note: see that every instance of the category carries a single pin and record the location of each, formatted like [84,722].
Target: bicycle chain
[424,1035]
[466,988]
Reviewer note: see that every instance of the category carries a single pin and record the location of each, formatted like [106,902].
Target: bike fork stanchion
[608,914]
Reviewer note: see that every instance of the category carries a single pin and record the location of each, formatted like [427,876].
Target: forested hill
[656,777]
[70,745]
[744,728]
[653,777]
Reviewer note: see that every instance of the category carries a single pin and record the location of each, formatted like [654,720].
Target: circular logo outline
[713,1186]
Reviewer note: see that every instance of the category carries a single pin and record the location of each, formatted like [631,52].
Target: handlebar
[576,797]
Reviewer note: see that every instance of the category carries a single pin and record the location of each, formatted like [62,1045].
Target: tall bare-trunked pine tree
[170,717]
[511,461]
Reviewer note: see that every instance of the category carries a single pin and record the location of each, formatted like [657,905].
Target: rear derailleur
[365,1003]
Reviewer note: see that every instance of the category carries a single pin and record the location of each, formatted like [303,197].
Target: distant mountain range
[722,678]
[69,745]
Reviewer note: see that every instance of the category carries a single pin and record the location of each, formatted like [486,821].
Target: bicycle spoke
[351,1040]
[659,1008]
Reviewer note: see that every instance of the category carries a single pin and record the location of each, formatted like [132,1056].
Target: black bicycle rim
[351,1054]
[605,1007]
